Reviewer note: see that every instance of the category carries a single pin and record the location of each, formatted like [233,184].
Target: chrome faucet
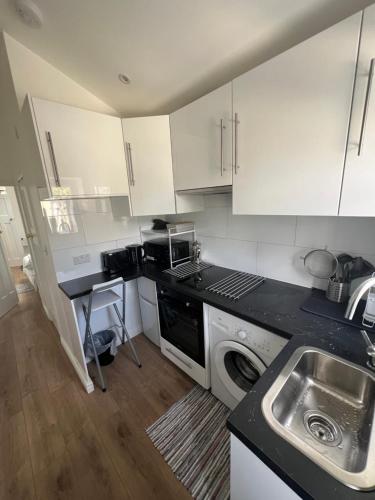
[370,350]
[349,313]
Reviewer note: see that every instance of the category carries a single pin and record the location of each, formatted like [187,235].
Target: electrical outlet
[81,259]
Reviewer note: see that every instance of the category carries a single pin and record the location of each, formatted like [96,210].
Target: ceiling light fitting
[124,79]
[29,13]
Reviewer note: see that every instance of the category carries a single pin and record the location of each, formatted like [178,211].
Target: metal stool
[101,297]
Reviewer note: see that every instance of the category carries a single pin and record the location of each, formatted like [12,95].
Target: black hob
[229,285]
[198,281]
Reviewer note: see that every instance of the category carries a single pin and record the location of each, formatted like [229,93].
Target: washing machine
[240,352]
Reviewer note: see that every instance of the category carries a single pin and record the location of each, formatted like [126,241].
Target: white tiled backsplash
[268,245]
[90,226]
[272,246]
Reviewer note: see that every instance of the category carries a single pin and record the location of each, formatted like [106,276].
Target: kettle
[135,254]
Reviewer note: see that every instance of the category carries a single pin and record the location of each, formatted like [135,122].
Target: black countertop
[79,287]
[276,306]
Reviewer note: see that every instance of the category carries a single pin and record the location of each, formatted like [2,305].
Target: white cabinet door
[147,290]
[148,302]
[83,151]
[150,320]
[251,479]
[357,198]
[293,113]
[149,159]
[202,141]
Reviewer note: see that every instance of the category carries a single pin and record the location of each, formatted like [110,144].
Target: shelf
[182,232]
[154,231]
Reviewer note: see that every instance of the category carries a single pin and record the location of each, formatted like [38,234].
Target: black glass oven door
[181,324]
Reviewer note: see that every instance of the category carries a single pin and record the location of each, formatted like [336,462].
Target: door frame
[11,297]
[32,232]
[13,229]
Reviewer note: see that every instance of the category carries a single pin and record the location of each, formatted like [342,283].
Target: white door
[8,294]
[202,141]
[292,123]
[238,368]
[149,159]
[11,227]
[27,199]
[83,151]
[357,198]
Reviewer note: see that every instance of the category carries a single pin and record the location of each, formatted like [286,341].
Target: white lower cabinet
[291,124]
[148,303]
[251,479]
[149,161]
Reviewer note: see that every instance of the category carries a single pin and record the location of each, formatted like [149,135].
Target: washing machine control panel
[242,335]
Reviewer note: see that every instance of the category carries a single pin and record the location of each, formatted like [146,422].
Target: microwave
[157,251]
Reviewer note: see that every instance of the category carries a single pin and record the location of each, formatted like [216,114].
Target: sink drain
[322,428]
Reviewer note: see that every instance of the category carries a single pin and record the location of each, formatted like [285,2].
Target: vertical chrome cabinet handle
[128,163]
[53,159]
[131,164]
[236,122]
[365,109]
[222,127]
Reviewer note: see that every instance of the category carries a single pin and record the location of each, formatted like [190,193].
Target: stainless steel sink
[324,406]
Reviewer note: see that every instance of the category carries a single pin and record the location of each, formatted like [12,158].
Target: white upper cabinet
[149,160]
[357,198]
[202,141]
[292,122]
[83,151]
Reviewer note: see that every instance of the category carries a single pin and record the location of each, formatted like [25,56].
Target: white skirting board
[86,380]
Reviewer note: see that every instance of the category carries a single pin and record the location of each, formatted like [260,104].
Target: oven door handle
[179,358]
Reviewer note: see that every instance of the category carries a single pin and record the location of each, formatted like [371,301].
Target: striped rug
[194,441]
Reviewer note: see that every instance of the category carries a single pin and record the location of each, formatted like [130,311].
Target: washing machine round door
[237,367]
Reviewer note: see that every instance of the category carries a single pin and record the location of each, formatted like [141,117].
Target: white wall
[272,245]
[32,74]
[90,226]
[22,72]
[268,245]
[8,119]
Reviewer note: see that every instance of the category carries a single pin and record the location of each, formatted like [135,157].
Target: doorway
[15,243]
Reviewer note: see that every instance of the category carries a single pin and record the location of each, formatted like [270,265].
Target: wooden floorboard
[57,441]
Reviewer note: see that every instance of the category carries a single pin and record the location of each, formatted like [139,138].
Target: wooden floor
[56,441]
[19,276]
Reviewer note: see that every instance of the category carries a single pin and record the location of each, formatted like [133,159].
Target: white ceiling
[173,50]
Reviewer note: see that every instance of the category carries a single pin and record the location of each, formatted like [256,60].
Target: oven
[181,323]
[182,333]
